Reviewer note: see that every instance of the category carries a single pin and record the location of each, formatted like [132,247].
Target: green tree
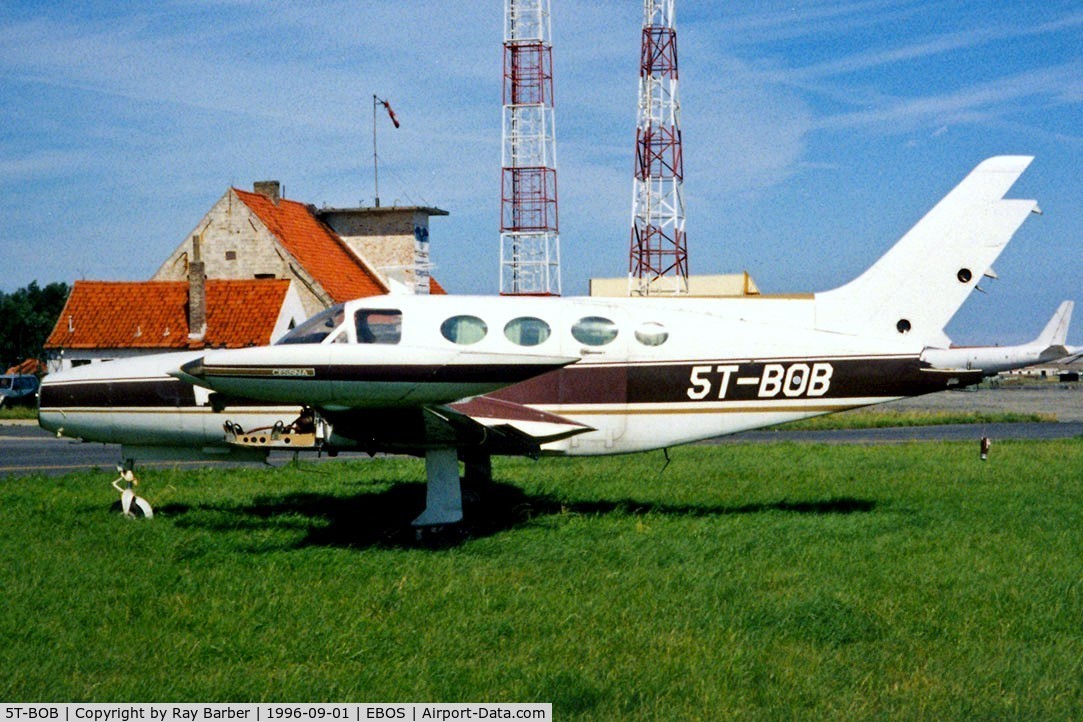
[27,316]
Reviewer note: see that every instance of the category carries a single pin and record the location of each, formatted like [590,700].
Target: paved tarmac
[27,449]
[1062,401]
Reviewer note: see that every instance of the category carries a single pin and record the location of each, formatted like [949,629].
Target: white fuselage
[644,372]
[647,373]
[465,377]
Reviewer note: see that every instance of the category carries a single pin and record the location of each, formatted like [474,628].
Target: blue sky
[815,134]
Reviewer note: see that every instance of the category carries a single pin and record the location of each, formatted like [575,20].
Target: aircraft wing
[482,424]
[392,399]
[519,428]
[338,377]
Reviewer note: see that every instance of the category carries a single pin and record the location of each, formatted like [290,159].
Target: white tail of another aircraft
[1054,336]
[991,360]
[918,285]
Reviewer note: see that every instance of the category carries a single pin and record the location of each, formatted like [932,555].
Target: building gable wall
[235,244]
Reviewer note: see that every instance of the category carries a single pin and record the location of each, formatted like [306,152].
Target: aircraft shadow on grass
[382,519]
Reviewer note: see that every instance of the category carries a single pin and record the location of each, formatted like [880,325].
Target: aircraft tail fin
[919,284]
[1055,332]
[1054,337]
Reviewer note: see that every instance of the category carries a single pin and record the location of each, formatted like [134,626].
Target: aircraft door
[595,388]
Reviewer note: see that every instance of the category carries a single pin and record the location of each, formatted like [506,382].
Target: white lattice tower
[529,229]
[658,259]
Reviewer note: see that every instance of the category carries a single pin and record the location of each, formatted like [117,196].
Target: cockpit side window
[378,325]
[317,328]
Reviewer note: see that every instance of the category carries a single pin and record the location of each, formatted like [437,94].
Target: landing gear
[478,469]
[443,493]
[131,505]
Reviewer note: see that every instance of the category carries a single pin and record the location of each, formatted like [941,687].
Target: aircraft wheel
[440,535]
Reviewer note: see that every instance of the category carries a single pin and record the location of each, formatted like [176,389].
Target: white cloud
[984,102]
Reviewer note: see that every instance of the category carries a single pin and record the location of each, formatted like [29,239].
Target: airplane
[461,378]
[991,360]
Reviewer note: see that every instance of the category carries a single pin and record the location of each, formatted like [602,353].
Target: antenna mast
[658,260]
[529,232]
[375,157]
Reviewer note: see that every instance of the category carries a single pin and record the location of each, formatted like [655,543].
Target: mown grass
[781,581]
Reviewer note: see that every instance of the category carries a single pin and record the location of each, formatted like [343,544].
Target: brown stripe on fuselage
[640,383]
[675,383]
[156,393]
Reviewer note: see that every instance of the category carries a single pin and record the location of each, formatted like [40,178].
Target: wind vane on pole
[376,158]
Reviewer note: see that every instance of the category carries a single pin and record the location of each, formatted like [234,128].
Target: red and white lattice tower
[658,261]
[529,237]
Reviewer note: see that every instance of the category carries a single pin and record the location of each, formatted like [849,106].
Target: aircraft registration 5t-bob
[457,378]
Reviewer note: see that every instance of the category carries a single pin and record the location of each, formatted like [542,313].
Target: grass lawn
[778,581]
[8,413]
[877,417]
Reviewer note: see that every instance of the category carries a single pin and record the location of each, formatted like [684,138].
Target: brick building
[255,266]
[333,255]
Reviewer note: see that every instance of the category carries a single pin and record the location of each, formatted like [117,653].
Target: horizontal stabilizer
[1053,353]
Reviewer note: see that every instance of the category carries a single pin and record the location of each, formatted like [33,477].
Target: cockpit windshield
[317,328]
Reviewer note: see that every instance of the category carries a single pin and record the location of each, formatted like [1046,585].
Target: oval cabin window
[594,331]
[526,331]
[464,330]
[651,334]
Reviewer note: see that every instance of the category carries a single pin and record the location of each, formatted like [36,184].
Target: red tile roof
[154,314]
[316,247]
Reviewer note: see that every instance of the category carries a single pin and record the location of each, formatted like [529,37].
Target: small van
[18,390]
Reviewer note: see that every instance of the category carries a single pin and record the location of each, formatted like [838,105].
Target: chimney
[197,293]
[271,189]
